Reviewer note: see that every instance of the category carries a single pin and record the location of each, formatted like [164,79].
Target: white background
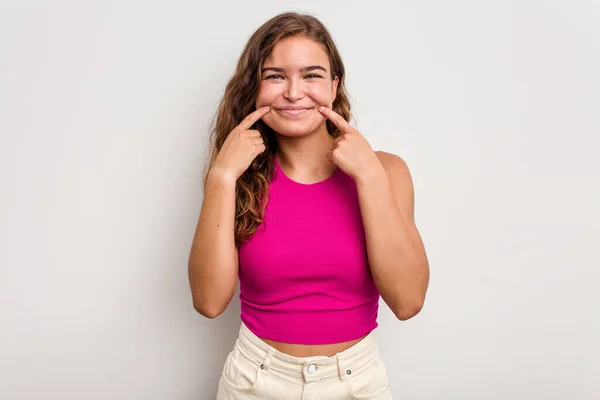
[104,113]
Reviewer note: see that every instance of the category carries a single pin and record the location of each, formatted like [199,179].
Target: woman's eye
[309,76]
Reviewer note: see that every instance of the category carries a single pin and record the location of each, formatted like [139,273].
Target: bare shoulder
[400,179]
[394,165]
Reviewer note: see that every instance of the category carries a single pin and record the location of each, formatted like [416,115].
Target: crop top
[304,274]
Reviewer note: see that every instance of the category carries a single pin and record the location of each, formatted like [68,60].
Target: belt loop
[342,368]
[267,361]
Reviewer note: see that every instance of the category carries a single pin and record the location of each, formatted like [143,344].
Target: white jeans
[255,370]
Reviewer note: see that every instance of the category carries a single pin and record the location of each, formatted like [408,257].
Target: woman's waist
[349,354]
[311,350]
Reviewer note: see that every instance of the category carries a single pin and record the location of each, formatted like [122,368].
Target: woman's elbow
[407,312]
[209,312]
[212,305]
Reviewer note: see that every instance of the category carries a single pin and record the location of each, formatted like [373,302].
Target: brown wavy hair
[239,100]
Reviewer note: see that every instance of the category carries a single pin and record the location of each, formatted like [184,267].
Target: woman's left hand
[351,151]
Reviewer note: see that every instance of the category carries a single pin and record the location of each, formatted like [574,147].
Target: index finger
[337,119]
[253,117]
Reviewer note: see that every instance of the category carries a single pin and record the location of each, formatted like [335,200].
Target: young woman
[314,223]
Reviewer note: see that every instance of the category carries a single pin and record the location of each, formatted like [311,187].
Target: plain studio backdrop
[104,114]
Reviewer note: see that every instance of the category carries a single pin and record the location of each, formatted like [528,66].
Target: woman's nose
[293,91]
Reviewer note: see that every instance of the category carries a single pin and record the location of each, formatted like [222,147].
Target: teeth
[294,112]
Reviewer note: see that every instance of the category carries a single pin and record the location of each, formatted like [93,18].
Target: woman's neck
[304,158]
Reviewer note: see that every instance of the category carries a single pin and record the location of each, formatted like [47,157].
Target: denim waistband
[312,368]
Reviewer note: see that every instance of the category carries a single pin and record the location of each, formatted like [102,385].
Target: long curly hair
[239,100]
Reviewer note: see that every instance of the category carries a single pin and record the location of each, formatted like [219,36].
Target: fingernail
[321,108]
[267,108]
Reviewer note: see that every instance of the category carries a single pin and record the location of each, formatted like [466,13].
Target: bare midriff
[311,350]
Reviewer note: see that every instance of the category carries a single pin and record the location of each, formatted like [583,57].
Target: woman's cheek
[266,95]
[321,94]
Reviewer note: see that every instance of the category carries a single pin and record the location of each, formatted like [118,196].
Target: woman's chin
[295,130]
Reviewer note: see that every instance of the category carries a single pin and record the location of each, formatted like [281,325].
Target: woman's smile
[293,112]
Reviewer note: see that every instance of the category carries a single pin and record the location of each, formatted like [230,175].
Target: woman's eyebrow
[303,69]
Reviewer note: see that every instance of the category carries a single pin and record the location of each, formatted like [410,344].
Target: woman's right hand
[241,147]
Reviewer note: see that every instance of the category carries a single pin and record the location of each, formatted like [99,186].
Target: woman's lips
[293,113]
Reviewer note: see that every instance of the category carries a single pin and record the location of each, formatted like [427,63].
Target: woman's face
[295,81]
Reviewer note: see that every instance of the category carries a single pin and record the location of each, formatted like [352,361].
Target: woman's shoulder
[400,178]
[393,164]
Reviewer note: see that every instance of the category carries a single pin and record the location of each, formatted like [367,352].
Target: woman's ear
[334,86]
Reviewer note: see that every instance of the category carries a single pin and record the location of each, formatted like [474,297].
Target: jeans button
[312,368]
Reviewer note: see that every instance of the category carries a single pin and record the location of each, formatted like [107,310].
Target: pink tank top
[304,275]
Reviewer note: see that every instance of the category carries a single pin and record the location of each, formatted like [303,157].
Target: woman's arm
[213,262]
[395,250]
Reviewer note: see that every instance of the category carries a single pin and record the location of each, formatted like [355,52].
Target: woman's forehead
[305,50]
